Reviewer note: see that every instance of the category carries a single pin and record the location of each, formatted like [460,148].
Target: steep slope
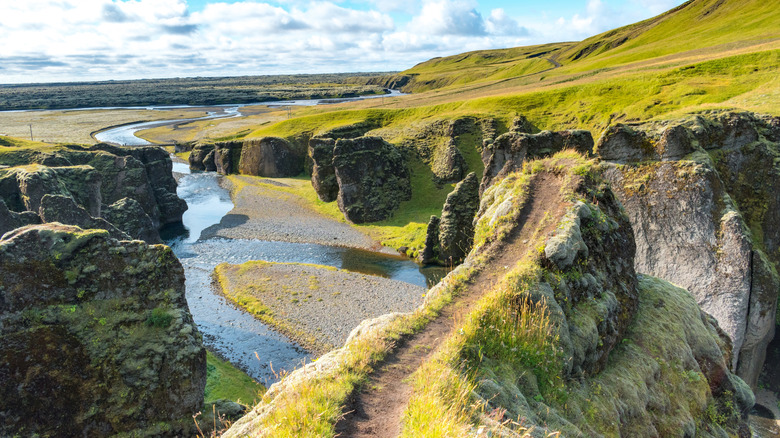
[696,24]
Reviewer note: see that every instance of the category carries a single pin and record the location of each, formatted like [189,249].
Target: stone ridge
[97,337]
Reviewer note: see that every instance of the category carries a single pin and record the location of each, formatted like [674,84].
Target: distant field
[76,126]
[187,91]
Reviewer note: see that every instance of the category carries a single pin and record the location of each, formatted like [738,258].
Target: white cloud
[54,40]
[499,23]
[449,17]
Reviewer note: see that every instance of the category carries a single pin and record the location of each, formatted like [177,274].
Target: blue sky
[70,40]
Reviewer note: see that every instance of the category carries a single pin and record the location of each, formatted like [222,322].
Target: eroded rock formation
[97,337]
[372,176]
[704,201]
[93,178]
[508,152]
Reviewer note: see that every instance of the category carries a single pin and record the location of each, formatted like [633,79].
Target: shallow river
[231,332]
[234,334]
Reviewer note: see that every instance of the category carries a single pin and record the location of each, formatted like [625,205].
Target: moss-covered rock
[95,337]
[128,215]
[93,177]
[704,201]
[373,178]
[508,152]
[270,157]
[63,209]
[456,230]
[323,174]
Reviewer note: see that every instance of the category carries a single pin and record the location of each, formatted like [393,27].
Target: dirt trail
[376,410]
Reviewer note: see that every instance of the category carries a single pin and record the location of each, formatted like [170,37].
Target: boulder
[97,338]
[270,157]
[373,178]
[128,215]
[456,231]
[63,209]
[323,174]
[508,152]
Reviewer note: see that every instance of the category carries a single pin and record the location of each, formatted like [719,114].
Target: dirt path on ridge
[376,410]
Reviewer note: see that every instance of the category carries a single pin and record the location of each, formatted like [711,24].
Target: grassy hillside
[704,55]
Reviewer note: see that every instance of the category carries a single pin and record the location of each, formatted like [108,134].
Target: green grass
[224,381]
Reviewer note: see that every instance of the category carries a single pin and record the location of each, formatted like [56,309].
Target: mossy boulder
[372,176]
[270,157]
[96,338]
[509,151]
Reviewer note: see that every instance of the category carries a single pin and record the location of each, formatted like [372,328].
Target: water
[233,333]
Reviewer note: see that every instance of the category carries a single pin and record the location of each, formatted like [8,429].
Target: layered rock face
[703,197]
[94,178]
[508,152]
[372,176]
[97,337]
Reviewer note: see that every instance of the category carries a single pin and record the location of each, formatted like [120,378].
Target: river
[230,332]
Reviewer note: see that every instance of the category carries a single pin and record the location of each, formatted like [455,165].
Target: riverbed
[229,331]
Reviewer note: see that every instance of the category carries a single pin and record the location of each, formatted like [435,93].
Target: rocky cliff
[97,338]
[268,156]
[702,194]
[372,176]
[99,179]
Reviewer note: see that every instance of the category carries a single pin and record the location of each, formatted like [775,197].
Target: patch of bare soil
[376,410]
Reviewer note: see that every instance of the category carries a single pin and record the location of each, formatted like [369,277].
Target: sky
[88,40]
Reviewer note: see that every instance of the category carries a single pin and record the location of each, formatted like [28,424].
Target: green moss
[224,381]
[159,318]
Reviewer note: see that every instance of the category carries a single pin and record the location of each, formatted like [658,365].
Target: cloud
[449,17]
[56,40]
[498,23]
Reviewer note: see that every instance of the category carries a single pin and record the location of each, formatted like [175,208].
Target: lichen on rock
[97,337]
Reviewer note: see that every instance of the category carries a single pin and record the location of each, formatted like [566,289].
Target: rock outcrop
[63,209]
[372,176]
[323,174]
[508,152]
[704,201]
[456,231]
[97,338]
[198,156]
[430,251]
[128,215]
[93,178]
[450,238]
[270,157]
